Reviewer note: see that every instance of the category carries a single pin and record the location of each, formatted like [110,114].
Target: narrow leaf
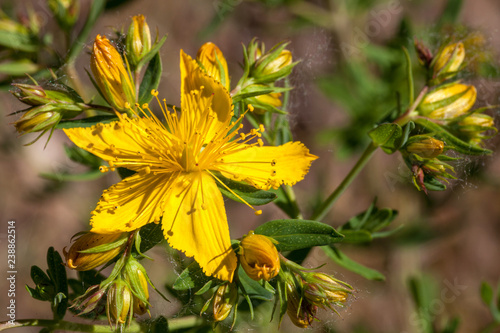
[342,260]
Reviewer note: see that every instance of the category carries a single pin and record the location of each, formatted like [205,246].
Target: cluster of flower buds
[66,12]
[126,291]
[445,111]
[307,292]
[47,107]
[262,70]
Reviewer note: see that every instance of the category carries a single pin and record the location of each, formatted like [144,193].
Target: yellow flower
[88,260]
[112,78]
[213,62]
[259,257]
[176,166]
[448,102]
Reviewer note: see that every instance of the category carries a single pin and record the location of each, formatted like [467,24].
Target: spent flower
[259,257]
[324,290]
[225,298]
[425,146]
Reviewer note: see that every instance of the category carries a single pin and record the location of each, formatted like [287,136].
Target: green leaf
[80,155]
[342,260]
[250,194]
[356,236]
[38,276]
[66,177]
[191,278]
[151,79]
[387,136]
[57,273]
[21,41]
[451,140]
[87,122]
[253,288]
[151,235]
[299,234]
[486,293]
[153,52]
[18,67]
[451,12]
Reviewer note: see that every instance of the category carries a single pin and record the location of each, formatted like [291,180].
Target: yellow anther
[258,212]
[103,169]
[260,142]
[145,106]
[127,105]
[262,128]
[242,136]
[154,92]
[250,107]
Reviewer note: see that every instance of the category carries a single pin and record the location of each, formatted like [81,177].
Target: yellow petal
[125,143]
[132,203]
[195,223]
[212,59]
[200,93]
[267,167]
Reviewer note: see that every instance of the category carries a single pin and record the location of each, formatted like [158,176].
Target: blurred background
[351,67]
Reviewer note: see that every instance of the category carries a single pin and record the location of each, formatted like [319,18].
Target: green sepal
[451,140]
[253,288]
[298,234]
[153,52]
[257,90]
[150,235]
[106,247]
[151,79]
[342,260]
[206,287]
[387,136]
[248,193]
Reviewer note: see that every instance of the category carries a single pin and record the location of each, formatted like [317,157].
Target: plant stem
[328,203]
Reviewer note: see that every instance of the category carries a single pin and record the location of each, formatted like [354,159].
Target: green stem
[185,322]
[328,203]
[65,326]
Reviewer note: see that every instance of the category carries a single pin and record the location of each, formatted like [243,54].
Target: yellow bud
[119,303]
[214,63]
[259,257]
[284,59]
[140,307]
[112,78]
[138,40]
[449,59]
[426,147]
[225,298]
[448,102]
[79,261]
[479,120]
[38,122]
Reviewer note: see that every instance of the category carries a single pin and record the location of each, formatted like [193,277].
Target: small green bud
[138,41]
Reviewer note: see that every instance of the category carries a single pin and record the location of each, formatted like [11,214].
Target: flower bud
[423,53]
[258,257]
[16,36]
[137,278]
[448,101]
[89,300]
[225,298]
[473,127]
[119,306]
[38,119]
[323,290]
[138,42]
[92,250]
[270,66]
[263,103]
[65,11]
[112,78]
[449,60]
[425,146]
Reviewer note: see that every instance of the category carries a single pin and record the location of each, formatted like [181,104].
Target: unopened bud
[92,250]
[449,60]
[138,42]
[425,146]
[448,101]
[119,306]
[225,298]
[110,74]
[214,63]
